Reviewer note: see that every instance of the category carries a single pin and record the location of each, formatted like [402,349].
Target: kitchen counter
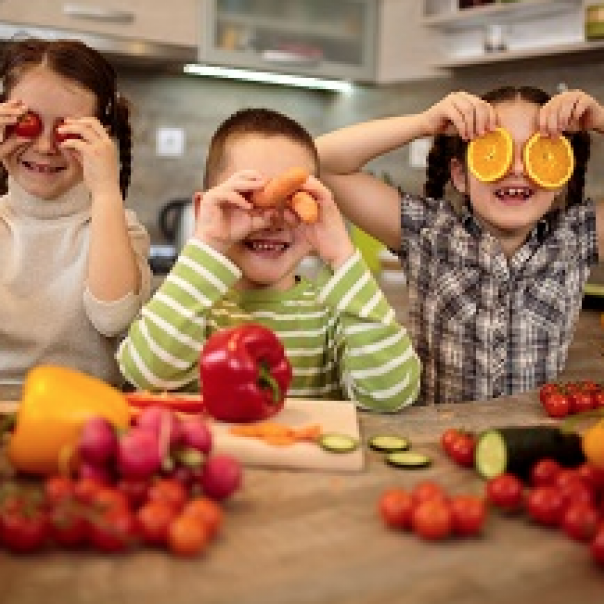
[295,537]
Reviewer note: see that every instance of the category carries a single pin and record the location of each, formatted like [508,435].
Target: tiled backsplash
[198,105]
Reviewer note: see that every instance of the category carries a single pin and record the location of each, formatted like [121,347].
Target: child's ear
[459,176]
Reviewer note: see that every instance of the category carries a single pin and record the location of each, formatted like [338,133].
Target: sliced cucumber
[388,443]
[338,443]
[408,459]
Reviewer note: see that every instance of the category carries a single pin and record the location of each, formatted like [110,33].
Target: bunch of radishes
[158,443]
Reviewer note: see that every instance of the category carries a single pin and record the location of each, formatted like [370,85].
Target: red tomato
[208,511]
[58,488]
[136,490]
[23,530]
[113,531]
[448,437]
[154,520]
[548,389]
[581,401]
[62,136]
[468,513]
[29,125]
[590,386]
[67,524]
[425,490]
[592,476]
[395,507]
[462,450]
[109,499]
[598,398]
[188,535]
[169,490]
[85,489]
[506,492]
[557,404]
[432,519]
[597,546]
[545,505]
[545,472]
[580,521]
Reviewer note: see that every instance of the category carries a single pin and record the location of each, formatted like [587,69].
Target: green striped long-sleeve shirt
[342,338]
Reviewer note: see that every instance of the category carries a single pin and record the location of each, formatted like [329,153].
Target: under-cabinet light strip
[267,78]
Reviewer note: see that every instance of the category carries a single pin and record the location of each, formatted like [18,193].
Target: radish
[162,422]
[101,473]
[138,454]
[197,435]
[221,476]
[98,441]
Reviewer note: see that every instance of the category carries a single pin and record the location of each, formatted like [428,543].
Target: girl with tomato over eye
[498,248]
[74,270]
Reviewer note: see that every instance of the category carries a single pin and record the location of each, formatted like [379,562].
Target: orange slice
[548,161]
[490,156]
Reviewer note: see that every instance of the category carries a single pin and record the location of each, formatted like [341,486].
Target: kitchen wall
[198,105]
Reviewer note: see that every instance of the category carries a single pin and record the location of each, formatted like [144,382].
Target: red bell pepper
[244,373]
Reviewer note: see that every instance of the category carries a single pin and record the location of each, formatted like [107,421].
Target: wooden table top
[296,537]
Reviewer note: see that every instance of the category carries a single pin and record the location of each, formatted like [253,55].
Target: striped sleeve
[379,367]
[161,350]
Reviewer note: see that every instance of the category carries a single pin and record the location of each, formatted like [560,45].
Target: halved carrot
[278,434]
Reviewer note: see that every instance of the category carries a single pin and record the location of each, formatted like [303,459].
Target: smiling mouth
[42,168]
[514,193]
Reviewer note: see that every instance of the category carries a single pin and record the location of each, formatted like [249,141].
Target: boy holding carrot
[340,336]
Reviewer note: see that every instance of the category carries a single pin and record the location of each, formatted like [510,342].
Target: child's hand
[225,216]
[328,236]
[571,111]
[469,115]
[10,112]
[95,150]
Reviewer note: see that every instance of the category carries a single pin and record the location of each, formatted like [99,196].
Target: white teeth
[522,192]
[42,168]
[265,246]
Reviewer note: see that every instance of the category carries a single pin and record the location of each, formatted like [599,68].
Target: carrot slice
[278,434]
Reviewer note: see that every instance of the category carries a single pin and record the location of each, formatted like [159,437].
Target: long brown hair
[447,147]
[78,62]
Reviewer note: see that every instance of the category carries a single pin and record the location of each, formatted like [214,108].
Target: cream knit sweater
[47,313]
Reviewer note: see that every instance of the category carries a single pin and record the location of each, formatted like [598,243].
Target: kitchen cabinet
[519,30]
[151,21]
[362,40]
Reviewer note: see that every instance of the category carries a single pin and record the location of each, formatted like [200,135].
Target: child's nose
[517,166]
[45,142]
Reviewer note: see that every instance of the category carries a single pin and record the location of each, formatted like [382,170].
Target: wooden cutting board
[332,416]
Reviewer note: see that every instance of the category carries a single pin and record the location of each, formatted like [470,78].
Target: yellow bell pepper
[55,403]
[593,444]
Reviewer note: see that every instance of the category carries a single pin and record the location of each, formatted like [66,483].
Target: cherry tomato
[545,505]
[462,450]
[396,506]
[592,476]
[110,499]
[169,490]
[545,472]
[557,404]
[187,535]
[58,488]
[506,492]
[448,437]
[590,386]
[85,489]
[580,521]
[113,531]
[598,399]
[29,125]
[597,546]
[547,389]
[468,514]
[67,524]
[208,511]
[154,519]
[24,529]
[425,490]
[63,136]
[136,490]
[432,519]
[581,401]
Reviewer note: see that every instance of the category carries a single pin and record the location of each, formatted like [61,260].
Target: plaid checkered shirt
[485,326]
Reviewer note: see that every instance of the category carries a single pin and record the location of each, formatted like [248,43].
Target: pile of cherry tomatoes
[561,399]
[84,512]
[557,497]
[431,512]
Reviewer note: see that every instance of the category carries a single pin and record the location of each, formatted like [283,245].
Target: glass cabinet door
[315,37]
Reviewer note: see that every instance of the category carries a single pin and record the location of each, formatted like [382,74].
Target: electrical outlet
[170,142]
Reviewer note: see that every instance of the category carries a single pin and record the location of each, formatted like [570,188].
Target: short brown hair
[252,121]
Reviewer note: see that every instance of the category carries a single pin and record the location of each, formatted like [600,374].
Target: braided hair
[448,147]
[74,60]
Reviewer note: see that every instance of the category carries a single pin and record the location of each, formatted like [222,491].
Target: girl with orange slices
[498,249]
